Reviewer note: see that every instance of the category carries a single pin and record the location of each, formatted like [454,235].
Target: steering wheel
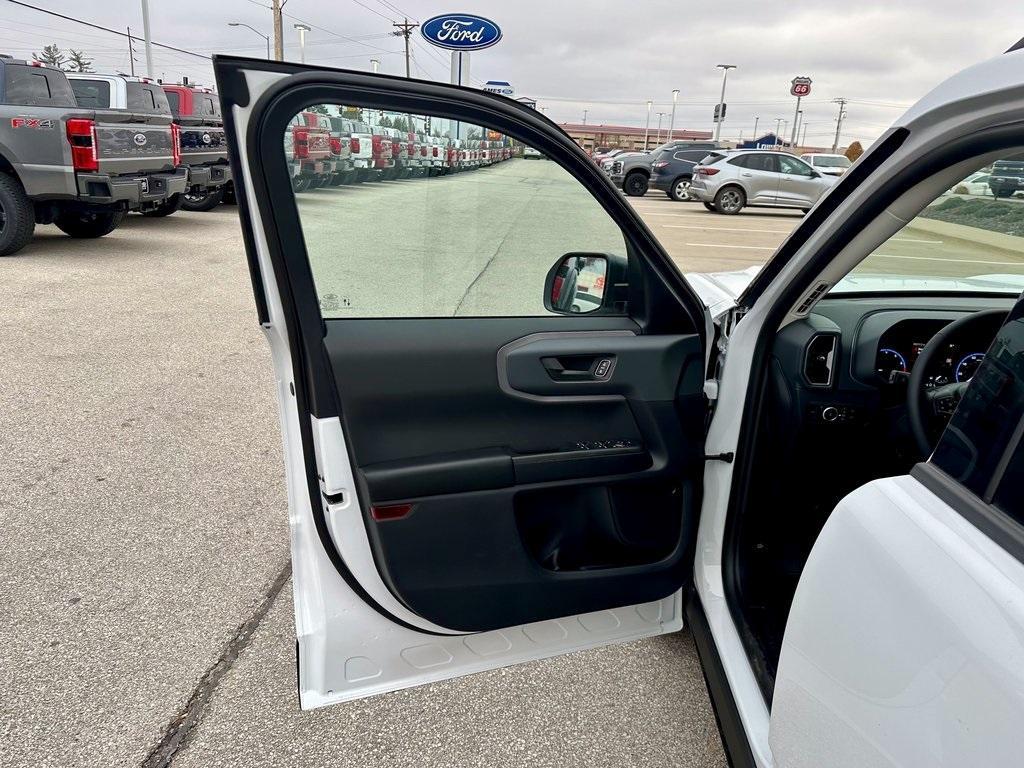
[931,408]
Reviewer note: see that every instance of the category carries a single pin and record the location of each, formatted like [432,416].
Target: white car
[529,153]
[975,184]
[817,467]
[830,165]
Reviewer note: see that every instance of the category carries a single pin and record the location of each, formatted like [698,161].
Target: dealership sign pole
[460,33]
[799,87]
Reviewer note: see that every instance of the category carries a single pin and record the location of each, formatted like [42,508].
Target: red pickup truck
[307,147]
[203,147]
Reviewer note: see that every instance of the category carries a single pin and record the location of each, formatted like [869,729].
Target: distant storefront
[591,137]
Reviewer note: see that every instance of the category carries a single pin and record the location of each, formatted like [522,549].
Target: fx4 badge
[32,122]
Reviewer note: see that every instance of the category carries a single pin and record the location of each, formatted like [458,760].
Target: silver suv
[726,182]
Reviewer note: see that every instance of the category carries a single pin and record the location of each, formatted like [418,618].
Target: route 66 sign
[801,86]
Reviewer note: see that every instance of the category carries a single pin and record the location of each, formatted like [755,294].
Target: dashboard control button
[830,413]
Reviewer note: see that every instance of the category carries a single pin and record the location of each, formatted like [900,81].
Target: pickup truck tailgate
[128,143]
[202,144]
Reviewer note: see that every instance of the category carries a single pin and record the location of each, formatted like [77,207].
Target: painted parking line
[909,240]
[726,229]
[947,261]
[743,247]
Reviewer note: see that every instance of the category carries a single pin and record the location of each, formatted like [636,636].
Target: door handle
[746,174]
[579,367]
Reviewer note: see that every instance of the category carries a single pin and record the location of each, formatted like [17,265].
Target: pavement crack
[181,727]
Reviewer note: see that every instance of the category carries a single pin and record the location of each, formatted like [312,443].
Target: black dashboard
[901,345]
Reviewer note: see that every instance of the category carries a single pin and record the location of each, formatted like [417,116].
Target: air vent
[812,298]
[820,359]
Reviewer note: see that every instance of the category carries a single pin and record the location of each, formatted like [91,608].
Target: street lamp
[265,37]
[672,120]
[778,124]
[647,130]
[756,118]
[721,101]
[657,136]
[585,116]
[303,29]
[375,65]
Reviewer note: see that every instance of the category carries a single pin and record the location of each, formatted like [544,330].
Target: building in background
[624,136]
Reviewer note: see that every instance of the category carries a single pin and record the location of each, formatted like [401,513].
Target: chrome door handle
[746,174]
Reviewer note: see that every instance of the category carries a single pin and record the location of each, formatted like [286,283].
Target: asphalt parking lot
[145,577]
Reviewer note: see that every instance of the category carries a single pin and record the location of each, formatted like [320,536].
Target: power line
[105,29]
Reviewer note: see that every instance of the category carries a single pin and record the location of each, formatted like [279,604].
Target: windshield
[830,161]
[971,238]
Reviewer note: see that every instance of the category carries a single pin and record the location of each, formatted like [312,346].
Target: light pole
[796,127]
[778,127]
[585,116]
[375,65]
[657,136]
[647,130]
[756,118]
[265,37]
[721,101]
[672,120]
[303,29]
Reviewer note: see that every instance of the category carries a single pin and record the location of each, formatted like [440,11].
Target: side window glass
[446,219]
[743,161]
[983,441]
[792,166]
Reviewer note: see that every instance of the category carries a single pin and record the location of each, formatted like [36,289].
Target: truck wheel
[17,216]
[202,201]
[635,184]
[87,224]
[164,207]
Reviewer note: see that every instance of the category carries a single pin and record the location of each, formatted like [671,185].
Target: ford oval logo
[461,31]
[207,138]
[139,139]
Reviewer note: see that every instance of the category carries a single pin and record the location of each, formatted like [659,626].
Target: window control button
[603,368]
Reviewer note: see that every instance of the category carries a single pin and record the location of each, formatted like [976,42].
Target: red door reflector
[391,511]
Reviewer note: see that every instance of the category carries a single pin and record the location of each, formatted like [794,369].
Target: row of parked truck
[329,150]
[81,150]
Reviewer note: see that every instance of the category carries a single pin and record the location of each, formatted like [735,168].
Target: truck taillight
[353,144]
[82,137]
[300,139]
[176,144]
[435,152]
[335,145]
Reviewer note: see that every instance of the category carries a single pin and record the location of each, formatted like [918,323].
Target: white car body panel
[905,644]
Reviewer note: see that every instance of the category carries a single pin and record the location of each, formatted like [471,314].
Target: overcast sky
[606,56]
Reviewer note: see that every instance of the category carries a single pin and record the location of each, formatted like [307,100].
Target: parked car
[1007,178]
[203,147]
[529,153]
[673,170]
[815,466]
[729,181]
[632,173]
[826,164]
[79,168]
[975,184]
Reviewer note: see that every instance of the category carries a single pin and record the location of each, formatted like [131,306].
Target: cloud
[606,57]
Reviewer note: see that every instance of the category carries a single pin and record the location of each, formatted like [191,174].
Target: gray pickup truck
[79,168]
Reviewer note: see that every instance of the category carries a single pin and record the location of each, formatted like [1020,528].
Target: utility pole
[839,121]
[131,52]
[148,38]
[585,116]
[276,6]
[647,130]
[672,120]
[721,101]
[302,29]
[405,30]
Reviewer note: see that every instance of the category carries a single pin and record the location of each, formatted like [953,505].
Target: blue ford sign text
[461,31]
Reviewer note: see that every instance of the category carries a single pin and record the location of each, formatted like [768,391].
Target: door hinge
[727,457]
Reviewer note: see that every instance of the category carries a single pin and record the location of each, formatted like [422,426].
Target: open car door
[491,385]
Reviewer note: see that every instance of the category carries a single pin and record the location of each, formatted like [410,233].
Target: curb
[972,235]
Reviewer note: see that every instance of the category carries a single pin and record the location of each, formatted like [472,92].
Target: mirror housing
[587,283]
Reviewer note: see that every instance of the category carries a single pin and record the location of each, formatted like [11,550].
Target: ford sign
[461,32]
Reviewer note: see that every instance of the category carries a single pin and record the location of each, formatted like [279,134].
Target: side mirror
[581,283]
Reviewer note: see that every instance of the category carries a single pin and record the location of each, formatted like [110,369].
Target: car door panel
[531,480]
